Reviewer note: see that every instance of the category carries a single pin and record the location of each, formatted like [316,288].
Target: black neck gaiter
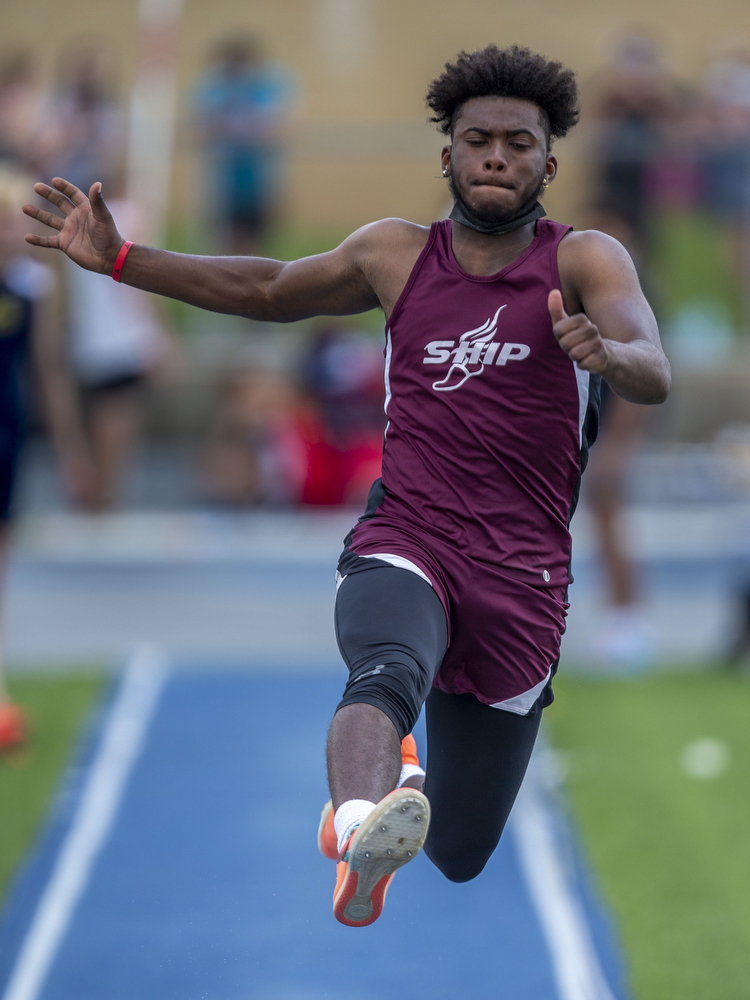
[525,215]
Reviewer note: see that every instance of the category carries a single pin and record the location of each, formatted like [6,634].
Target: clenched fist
[578,336]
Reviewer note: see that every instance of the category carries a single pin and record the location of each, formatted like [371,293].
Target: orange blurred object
[12,726]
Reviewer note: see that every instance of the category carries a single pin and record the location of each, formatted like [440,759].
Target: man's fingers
[70,190]
[51,242]
[65,205]
[571,325]
[55,197]
[53,221]
[555,305]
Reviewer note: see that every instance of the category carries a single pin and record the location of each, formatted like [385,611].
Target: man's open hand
[86,233]
[578,336]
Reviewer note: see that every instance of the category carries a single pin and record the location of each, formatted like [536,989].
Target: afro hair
[513,72]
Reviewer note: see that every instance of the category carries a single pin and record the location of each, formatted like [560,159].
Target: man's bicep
[611,294]
[332,284]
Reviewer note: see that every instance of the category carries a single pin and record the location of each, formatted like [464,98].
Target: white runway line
[121,744]
[578,973]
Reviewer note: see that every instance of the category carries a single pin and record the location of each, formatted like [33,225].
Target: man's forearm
[238,285]
[637,371]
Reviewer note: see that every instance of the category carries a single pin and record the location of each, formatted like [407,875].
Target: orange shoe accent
[409,750]
[391,836]
[327,839]
[346,889]
[12,725]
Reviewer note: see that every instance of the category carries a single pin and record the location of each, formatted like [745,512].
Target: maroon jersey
[488,418]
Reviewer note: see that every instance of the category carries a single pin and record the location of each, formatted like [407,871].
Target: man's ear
[445,160]
[551,168]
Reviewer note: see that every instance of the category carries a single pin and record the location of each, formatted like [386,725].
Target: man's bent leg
[392,633]
[477,757]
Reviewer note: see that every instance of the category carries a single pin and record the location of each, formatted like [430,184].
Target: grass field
[671,851]
[56,705]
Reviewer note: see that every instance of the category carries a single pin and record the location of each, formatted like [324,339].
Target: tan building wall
[362,148]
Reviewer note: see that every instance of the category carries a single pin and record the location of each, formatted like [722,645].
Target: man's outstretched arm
[615,335]
[332,283]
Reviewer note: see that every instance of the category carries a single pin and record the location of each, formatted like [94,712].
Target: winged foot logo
[475,349]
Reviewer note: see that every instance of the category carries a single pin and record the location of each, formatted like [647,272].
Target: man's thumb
[555,305]
[97,201]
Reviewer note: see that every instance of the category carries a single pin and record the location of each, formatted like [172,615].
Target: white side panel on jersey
[583,379]
[521,704]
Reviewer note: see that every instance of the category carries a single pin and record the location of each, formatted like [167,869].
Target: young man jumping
[452,586]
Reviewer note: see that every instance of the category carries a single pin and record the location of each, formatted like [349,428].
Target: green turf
[671,853]
[56,705]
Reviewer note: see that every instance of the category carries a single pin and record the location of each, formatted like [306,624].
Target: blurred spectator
[241,105]
[119,341]
[638,110]
[255,452]
[623,638]
[726,156]
[636,107]
[18,109]
[343,374]
[318,444]
[30,332]
[726,162]
[81,136]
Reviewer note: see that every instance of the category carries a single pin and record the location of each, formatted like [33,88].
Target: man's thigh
[392,632]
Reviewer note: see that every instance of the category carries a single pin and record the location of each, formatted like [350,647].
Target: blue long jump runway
[181,864]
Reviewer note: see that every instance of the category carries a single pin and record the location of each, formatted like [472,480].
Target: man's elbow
[662,385]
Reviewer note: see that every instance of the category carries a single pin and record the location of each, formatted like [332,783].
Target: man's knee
[397,687]
[457,862]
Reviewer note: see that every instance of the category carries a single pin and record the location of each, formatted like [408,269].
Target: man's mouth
[493,184]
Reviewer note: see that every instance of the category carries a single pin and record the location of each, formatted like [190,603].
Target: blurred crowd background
[277,129]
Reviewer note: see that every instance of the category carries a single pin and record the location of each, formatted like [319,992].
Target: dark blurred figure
[18,109]
[82,131]
[638,110]
[726,158]
[725,118]
[241,105]
[32,353]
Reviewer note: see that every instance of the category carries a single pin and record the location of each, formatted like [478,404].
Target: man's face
[499,156]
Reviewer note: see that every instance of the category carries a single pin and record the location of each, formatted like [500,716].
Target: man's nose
[495,159]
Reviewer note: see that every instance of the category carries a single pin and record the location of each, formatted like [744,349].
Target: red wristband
[124,251]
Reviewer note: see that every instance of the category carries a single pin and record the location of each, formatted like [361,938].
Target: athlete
[452,586]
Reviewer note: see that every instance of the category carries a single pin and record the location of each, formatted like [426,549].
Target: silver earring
[445,171]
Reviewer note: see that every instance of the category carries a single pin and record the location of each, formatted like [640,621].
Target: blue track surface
[210,884]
